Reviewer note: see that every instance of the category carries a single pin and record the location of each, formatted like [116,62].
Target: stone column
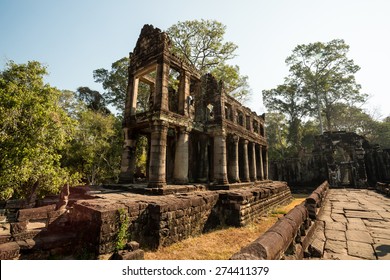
[220,166]
[158,151]
[203,175]
[128,158]
[180,173]
[245,172]
[184,93]
[266,164]
[261,169]
[162,80]
[252,164]
[234,174]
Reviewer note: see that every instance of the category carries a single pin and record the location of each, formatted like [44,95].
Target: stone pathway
[354,224]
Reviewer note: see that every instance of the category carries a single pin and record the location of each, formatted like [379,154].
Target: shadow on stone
[382,250]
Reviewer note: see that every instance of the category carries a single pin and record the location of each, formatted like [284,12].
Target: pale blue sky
[75,37]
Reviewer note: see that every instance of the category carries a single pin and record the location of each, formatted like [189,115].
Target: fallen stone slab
[9,251]
[129,255]
[375,224]
[384,214]
[363,215]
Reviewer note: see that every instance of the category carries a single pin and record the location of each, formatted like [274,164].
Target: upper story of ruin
[163,87]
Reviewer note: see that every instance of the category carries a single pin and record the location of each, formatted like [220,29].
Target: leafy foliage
[93,100]
[114,82]
[277,131]
[33,131]
[327,77]
[94,151]
[201,44]
[321,84]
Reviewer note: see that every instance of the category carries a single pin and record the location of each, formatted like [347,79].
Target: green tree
[93,100]
[235,84]
[114,82]
[381,133]
[327,76]
[353,119]
[277,131]
[94,151]
[201,43]
[288,99]
[33,131]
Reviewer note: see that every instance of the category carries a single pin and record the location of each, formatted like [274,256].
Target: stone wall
[342,158]
[38,233]
[290,236]
[240,207]
[156,221]
[105,223]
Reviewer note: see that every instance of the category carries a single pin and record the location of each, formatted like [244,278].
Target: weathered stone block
[18,227]
[35,213]
[9,251]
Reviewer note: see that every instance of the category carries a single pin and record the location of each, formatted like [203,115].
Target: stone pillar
[162,79]
[128,158]
[252,164]
[234,171]
[245,172]
[220,166]
[261,169]
[203,175]
[266,164]
[184,93]
[134,96]
[180,173]
[158,151]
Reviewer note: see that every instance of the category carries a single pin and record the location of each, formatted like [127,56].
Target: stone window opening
[248,122]
[143,97]
[240,118]
[255,127]
[210,111]
[144,89]
[173,90]
[228,112]
[262,130]
[142,157]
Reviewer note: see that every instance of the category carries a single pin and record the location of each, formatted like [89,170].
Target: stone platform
[156,220]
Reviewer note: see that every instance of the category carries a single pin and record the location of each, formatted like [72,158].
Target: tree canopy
[33,131]
[114,83]
[320,88]
[201,43]
[327,76]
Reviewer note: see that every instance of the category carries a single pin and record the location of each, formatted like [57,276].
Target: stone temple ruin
[344,158]
[206,167]
[196,132]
